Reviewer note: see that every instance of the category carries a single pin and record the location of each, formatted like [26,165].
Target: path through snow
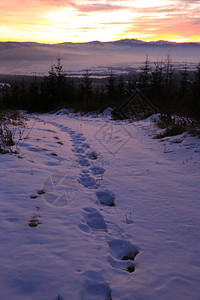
[97,209]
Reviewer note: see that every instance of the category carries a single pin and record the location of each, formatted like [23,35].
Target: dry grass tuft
[176,125]
[11,124]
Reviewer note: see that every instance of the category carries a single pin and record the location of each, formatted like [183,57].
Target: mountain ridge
[33,57]
[124,42]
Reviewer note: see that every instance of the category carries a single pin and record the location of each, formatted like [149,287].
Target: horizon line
[98,41]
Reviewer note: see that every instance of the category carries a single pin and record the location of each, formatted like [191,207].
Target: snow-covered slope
[97,209]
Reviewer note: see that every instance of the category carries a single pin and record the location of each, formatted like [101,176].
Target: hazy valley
[29,58]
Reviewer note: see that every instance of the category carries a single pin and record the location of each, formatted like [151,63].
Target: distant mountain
[31,58]
[133,43]
[123,42]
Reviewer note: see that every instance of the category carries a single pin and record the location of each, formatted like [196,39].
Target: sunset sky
[54,21]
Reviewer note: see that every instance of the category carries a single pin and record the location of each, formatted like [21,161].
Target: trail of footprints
[121,252]
[34,221]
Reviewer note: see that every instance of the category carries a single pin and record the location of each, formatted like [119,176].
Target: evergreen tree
[111,89]
[168,73]
[169,92]
[195,101]
[184,81]
[86,90]
[34,98]
[157,82]
[120,89]
[131,85]
[14,99]
[145,75]
[54,88]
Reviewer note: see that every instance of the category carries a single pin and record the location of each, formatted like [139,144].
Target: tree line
[169,90]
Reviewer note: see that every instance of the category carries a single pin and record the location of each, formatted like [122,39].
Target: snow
[60,236]
[94,219]
[2,85]
[106,197]
[107,112]
[63,111]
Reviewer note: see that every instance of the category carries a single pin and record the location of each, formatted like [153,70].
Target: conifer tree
[144,78]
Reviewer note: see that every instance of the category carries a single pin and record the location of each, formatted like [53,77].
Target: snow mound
[152,118]
[107,112]
[63,111]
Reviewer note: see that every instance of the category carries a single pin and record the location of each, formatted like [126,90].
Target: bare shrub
[175,125]
[11,123]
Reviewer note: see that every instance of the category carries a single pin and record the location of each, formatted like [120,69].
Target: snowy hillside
[98,209]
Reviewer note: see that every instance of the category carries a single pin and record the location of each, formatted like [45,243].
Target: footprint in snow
[34,149]
[71,131]
[106,197]
[78,150]
[88,181]
[80,139]
[12,220]
[82,161]
[78,135]
[77,143]
[97,170]
[128,265]
[85,171]
[92,155]
[85,145]
[51,163]
[34,221]
[94,219]
[47,130]
[84,228]
[95,287]
[34,195]
[123,254]
[123,250]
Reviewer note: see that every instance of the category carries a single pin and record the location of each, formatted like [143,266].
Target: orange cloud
[85,20]
[98,7]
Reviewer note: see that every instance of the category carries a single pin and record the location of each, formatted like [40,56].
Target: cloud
[114,18]
[158,9]
[190,1]
[164,28]
[96,7]
[177,19]
[116,23]
[60,3]
[196,21]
